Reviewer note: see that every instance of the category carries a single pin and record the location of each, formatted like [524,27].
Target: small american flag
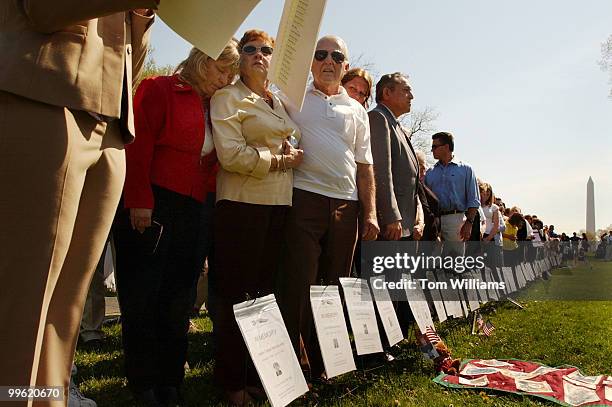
[432,335]
[479,321]
[488,328]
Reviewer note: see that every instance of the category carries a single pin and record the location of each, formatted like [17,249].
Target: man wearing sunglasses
[455,185]
[334,178]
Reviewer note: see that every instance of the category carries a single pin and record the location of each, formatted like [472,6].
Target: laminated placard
[264,332]
[331,330]
[362,315]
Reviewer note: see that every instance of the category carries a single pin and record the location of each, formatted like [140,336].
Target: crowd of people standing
[220,171]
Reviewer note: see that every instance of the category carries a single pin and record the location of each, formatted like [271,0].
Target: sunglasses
[252,50]
[434,146]
[337,56]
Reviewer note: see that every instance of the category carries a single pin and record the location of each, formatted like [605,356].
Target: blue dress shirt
[455,186]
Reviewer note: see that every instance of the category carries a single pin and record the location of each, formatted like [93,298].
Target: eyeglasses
[337,56]
[434,146]
[252,50]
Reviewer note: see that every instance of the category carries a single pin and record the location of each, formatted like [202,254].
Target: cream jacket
[246,133]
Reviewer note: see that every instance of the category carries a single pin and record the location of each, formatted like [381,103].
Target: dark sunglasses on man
[252,49]
[337,56]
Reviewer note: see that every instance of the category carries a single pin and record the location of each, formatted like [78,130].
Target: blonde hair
[194,66]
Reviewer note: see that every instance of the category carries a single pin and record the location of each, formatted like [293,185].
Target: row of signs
[264,332]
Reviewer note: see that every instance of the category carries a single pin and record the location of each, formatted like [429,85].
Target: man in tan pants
[65,115]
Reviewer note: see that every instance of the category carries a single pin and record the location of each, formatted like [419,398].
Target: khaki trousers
[61,174]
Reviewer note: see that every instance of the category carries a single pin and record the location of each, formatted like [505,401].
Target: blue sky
[517,83]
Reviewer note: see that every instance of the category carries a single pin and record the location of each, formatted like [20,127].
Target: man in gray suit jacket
[396,167]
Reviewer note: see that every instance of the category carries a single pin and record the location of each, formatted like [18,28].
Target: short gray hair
[388,81]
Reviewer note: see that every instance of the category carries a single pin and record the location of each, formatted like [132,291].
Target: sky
[517,83]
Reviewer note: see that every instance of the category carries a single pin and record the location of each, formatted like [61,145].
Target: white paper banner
[207,24]
[295,45]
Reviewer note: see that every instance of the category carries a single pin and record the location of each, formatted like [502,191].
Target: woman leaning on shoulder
[170,170]
[253,138]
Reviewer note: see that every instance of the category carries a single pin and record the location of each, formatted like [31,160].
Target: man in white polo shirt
[334,182]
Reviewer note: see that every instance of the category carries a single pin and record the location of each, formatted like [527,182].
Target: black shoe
[92,344]
[169,396]
[147,398]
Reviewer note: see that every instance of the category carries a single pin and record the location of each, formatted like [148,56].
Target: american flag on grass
[488,328]
[432,335]
[479,321]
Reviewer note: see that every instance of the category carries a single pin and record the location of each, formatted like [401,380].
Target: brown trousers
[61,174]
[320,238]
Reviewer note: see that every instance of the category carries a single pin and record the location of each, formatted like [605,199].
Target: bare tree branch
[420,125]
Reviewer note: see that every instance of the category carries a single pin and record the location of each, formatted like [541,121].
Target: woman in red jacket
[171,169]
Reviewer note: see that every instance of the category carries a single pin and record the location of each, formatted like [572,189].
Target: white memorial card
[267,340]
[451,300]
[331,329]
[418,305]
[509,279]
[387,313]
[362,316]
[437,298]
[296,40]
[490,278]
[207,24]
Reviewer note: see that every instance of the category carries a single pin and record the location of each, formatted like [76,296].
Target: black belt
[442,213]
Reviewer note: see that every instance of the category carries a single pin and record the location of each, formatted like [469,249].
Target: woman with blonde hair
[171,169]
[256,142]
[491,238]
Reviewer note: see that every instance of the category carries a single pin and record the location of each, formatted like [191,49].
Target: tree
[603,231]
[151,69]
[420,125]
[606,59]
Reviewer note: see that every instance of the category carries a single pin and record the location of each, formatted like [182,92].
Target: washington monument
[590,207]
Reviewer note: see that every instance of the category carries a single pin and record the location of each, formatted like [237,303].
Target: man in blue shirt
[455,185]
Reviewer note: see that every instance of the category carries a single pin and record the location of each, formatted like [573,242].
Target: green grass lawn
[550,331]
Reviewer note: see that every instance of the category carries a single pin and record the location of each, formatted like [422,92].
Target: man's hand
[370,229]
[466,231]
[393,231]
[140,218]
[417,232]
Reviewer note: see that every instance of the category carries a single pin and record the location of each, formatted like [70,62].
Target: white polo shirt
[335,137]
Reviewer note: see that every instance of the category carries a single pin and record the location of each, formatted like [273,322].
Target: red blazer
[170,131]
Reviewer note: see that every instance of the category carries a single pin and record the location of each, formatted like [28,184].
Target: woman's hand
[293,156]
[140,218]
